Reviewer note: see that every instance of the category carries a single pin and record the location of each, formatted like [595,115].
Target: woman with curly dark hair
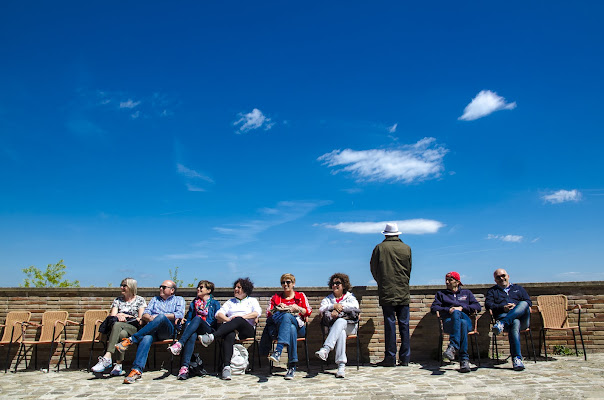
[340,313]
[237,315]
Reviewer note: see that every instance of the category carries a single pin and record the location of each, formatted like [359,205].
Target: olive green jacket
[391,269]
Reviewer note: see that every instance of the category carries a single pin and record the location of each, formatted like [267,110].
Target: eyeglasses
[164,287]
[123,285]
[286,282]
[199,287]
[336,283]
[500,276]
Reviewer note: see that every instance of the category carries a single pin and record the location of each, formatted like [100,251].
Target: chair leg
[440,349]
[544,344]
[90,356]
[575,340]
[358,351]
[61,356]
[307,359]
[52,350]
[533,346]
[582,344]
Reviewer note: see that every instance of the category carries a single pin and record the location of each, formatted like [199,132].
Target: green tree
[52,277]
[174,277]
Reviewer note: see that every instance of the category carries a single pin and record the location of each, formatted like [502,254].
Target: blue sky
[252,139]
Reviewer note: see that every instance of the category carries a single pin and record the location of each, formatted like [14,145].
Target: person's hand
[458,308]
[338,307]
[509,306]
[334,314]
[121,317]
[294,309]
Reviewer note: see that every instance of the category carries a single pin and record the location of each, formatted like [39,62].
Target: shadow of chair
[90,334]
[53,324]
[14,328]
[528,335]
[355,336]
[472,336]
[554,315]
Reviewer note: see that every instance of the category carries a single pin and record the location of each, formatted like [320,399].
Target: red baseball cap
[454,275]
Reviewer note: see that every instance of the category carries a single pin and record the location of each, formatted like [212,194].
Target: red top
[299,299]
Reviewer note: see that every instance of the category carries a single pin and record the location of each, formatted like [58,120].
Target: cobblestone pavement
[565,377]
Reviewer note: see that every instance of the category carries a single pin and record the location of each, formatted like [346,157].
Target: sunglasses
[164,287]
[336,283]
[500,276]
[286,282]
[123,285]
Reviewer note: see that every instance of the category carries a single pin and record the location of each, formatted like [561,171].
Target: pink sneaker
[175,348]
[183,374]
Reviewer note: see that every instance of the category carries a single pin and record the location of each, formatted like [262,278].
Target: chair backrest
[49,318]
[553,310]
[92,319]
[14,319]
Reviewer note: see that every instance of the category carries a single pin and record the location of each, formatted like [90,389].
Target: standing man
[391,269]
[511,306]
[160,316]
[454,305]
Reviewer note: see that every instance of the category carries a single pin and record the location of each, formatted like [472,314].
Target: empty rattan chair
[14,327]
[90,334]
[53,324]
[554,314]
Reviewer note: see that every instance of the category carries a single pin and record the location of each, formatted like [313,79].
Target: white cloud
[485,103]
[417,226]
[392,128]
[253,120]
[506,238]
[129,103]
[420,161]
[563,196]
[193,188]
[190,173]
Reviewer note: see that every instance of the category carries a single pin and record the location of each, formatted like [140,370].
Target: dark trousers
[392,315]
[227,330]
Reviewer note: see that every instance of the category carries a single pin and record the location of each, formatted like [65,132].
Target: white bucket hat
[391,229]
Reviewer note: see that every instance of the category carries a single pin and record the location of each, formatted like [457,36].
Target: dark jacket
[496,298]
[212,308]
[445,299]
[391,269]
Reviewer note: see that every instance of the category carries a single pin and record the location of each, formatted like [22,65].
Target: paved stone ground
[565,377]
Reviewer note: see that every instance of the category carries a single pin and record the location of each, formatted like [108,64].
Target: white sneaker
[117,370]
[341,371]
[206,339]
[322,353]
[226,373]
[102,365]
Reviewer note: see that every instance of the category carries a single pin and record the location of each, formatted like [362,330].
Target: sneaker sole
[320,356]
[273,359]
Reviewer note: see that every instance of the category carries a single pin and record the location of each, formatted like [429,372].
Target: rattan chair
[527,335]
[298,340]
[554,314]
[90,334]
[14,328]
[53,324]
[472,336]
[354,336]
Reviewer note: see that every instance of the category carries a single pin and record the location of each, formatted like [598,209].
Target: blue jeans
[196,326]
[160,328]
[457,325]
[518,319]
[392,314]
[286,330]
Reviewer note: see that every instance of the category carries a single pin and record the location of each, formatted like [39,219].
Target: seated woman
[286,314]
[128,309]
[201,319]
[237,315]
[454,305]
[340,311]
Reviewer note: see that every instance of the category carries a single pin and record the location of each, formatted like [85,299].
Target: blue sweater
[445,299]
[496,298]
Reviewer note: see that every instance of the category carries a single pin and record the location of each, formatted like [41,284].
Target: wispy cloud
[268,217]
[410,163]
[253,120]
[506,238]
[563,196]
[485,103]
[185,256]
[418,226]
[392,128]
[129,103]
[193,177]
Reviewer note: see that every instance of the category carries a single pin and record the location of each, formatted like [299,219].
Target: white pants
[337,338]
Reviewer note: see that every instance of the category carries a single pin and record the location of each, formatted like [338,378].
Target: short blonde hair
[131,283]
[288,276]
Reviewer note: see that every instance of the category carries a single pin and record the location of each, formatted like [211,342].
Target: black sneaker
[291,371]
[464,366]
[275,356]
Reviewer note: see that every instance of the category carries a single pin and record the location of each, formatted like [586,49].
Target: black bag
[107,324]
[196,366]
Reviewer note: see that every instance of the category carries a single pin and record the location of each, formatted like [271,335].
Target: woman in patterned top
[200,319]
[128,309]
[287,314]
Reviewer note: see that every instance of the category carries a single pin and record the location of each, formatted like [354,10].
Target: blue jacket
[445,299]
[496,298]
[214,305]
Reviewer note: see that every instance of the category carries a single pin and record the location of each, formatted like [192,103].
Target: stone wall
[424,326]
